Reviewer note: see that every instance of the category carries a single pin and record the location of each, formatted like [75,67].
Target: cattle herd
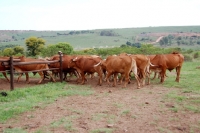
[106,69]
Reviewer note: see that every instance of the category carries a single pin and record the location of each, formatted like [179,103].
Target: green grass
[102,130]
[125,112]
[14,130]
[189,78]
[22,100]
[188,95]
[64,122]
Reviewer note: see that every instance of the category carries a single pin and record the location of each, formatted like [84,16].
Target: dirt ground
[109,109]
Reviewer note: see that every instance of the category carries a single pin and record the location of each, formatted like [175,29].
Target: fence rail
[10,62]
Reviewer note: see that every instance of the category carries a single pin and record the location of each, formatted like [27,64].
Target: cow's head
[75,59]
[72,62]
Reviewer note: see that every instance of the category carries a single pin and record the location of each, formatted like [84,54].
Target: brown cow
[66,59]
[4,68]
[32,67]
[163,62]
[143,65]
[86,64]
[155,73]
[120,64]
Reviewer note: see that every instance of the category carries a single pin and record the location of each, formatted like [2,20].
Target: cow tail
[148,66]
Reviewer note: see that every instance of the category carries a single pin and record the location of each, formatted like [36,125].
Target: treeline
[76,32]
[108,33]
[179,40]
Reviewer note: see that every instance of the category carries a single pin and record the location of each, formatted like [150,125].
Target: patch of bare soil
[128,110]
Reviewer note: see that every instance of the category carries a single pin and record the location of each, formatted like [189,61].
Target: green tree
[8,52]
[164,41]
[51,50]
[18,50]
[178,42]
[161,42]
[34,45]
[66,48]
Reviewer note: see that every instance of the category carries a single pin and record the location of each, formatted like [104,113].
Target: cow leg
[55,73]
[115,79]
[77,74]
[178,69]
[83,78]
[142,77]
[148,78]
[52,78]
[137,78]
[126,79]
[4,74]
[147,73]
[45,75]
[20,75]
[154,76]
[162,74]
[100,74]
[42,77]
[122,78]
[27,78]
[108,77]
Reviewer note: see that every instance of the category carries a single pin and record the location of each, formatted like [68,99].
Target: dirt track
[118,109]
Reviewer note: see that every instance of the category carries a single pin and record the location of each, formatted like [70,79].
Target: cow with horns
[120,64]
[87,64]
[162,62]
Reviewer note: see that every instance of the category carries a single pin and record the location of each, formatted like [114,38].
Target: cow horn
[152,64]
[97,64]
[75,59]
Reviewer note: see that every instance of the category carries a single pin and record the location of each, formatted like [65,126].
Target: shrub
[187,57]
[196,55]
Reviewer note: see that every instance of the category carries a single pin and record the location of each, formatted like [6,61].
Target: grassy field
[189,98]
[92,39]
[22,100]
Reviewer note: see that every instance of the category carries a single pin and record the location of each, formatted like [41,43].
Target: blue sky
[96,14]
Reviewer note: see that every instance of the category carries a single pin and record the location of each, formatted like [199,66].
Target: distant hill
[172,36]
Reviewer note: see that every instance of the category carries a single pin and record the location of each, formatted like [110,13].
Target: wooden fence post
[61,67]
[11,74]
